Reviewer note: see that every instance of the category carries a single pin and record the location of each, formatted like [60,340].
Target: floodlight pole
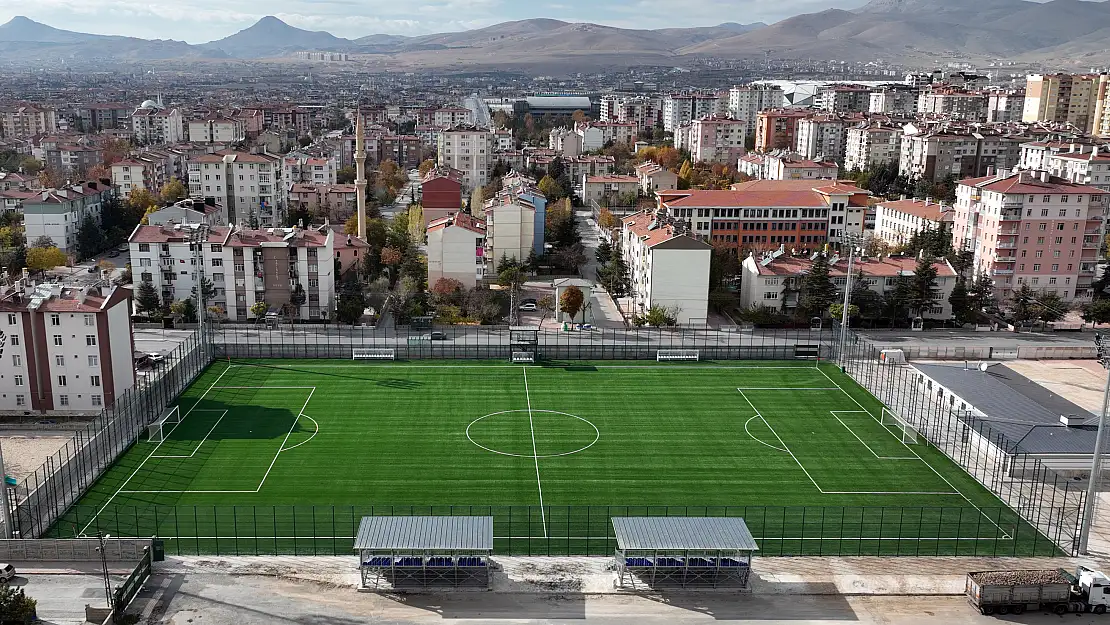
[4,490]
[1096,457]
[198,237]
[850,240]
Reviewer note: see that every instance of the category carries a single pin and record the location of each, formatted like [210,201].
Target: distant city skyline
[208,20]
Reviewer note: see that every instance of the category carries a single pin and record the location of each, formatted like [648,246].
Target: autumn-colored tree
[50,178]
[140,200]
[391,256]
[579,117]
[31,165]
[607,220]
[98,172]
[477,207]
[550,188]
[115,151]
[425,167]
[686,172]
[150,210]
[571,301]
[351,225]
[416,223]
[259,309]
[668,157]
[529,122]
[43,258]
[173,191]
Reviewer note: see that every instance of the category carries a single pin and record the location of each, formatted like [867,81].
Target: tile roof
[1026,182]
[933,211]
[460,220]
[887,267]
[640,225]
[612,179]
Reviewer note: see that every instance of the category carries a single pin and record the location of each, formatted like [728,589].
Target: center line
[535,454]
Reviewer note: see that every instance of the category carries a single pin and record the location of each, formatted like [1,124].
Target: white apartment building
[872,144]
[774,280]
[215,129]
[1035,154]
[617,132]
[58,213]
[953,104]
[934,155]
[67,349]
[712,140]
[450,116]
[609,190]
[305,169]
[27,121]
[1031,228]
[654,178]
[1078,99]
[1091,168]
[468,149]
[895,101]
[843,98]
[641,111]
[245,266]
[745,103]
[897,221]
[154,126]
[790,167]
[456,249]
[1005,105]
[511,225]
[243,185]
[820,137]
[679,109]
[667,267]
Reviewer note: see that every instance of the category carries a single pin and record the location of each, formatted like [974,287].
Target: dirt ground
[25,451]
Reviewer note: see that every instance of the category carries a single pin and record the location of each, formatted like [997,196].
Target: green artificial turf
[287,456]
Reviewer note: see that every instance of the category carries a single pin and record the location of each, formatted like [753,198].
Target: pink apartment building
[1031,228]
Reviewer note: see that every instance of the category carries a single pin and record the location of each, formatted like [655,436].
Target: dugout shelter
[424,551]
[687,552]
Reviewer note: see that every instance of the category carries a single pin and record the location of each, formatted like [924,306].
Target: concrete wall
[72,550]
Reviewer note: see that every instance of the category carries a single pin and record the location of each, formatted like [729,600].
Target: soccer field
[287,456]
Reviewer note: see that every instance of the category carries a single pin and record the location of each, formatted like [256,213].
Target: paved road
[62,598]
[963,338]
[479,108]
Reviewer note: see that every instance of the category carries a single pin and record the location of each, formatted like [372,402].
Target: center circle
[532,433]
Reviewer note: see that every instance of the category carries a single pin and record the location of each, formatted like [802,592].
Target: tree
[868,302]
[185,309]
[351,225]
[346,175]
[477,208]
[207,288]
[981,294]
[43,242]
[297,298]
[604,250]
[31,165]
[43,258]
[1023,305]
[416,223]
[686,173]
[546,305]
[571,301]
[140,200]
[259,310]
[446,291]
[173,191]
[961,303]
[531,262]
[1050,306]
[836,311]
[606,220]
[147,301]
[90,238]
[579,117]
[550,188]
[923,286]
[352,301]
[659,316]
[116,150]
[818,290]
[1097,311]
[425,167]
[15,605]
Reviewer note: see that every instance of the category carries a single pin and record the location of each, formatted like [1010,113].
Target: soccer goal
[663,355]
[899,426]
[160,429]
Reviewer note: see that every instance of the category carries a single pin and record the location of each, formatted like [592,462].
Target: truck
[1054,590]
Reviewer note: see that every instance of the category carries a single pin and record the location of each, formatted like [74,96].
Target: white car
[528,307]
[7,572]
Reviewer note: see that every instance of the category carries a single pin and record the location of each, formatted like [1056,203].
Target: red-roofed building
[66,349]
[456,249]
[896,222]
[307,169]
[1031,228]
[668,267]
[441,193]
[337,202]
[773,279]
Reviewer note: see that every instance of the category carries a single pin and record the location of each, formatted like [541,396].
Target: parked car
[113,254]
[93,269]
[435,336]
[528,307]
[7,572]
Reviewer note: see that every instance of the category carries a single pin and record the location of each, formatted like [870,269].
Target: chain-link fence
[493,342]
[45,495]
[1045,499]
[581,530]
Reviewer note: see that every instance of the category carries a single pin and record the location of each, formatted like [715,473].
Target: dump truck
[1055,590]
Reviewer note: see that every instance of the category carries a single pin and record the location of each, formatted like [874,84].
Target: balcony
[1005,259]
[1011,216]
[1006,246]
[1010,233]
[1002,272]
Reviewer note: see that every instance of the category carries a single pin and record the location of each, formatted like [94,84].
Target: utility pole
[104,569]
[198,237]
[1096,457]
[850,240]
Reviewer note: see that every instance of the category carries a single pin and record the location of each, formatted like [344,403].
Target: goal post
[906,432]
[664,355]
[160,429]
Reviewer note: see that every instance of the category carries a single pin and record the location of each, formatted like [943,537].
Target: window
[14,339]
[11,319]
[770,295]
[20,400]
[89,320]
[1040,240]
[94,360]
[63,400]
[61,380]
[60,360]
[1036,266]
[55,319]
[1059,240]
[1042,227]
[144,247]
[1052,280]
[58,340]
[217,262]
[90,340]
[1055,267]
[1059,226]
[94,380]
[1039,253]
[17,360]
[97,400]
[1056,254]
[144,262]
[18,380]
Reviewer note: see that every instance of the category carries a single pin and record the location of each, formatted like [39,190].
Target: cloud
[199,21]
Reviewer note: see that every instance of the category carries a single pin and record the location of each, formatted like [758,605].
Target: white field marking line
[261,387]
[763,538]
[746,431]
[212,429]
[784,445]
[862,442]
[188,491]
[788,388]
[155,450]
[286,440]
[307,439]
[535,454]
[950,485]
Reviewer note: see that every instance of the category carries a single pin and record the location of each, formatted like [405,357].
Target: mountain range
[924,32]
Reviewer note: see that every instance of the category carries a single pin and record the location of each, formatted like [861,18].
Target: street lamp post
[851,240]
[1096,457]
[198,236]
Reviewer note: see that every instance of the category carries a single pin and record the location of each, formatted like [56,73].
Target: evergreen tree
[981,294]
[961,303]
[818,290]
[90,238]
[923,286]
[604,250]
[147,301]
[1023,305]
[1050,306]
[352,301]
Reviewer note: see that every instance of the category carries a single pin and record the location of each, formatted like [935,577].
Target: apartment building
[216,128]
[457,249]
[870,144]
[66,349]
[745,103]
[1035,154]
[643,112]
[843,99]
[823,136]
[337,202]
[616,132]
[763,214]
[952,103]
[774,280]
[1031,228]
[1090,168]
[58,213]
[441,193]
[244,186]
[451,116]
[468,149]
[245,266]
[100,116]
[609,190]
[25,121]
[306,169]
[515,219]
[158,126]
[897,221]
[653,177]
[73,160]
[894,100]
[933,155]
[1005,105]
[682,108]
[130,174]
[185,211]
[776,129]
[1077,99]
[712,140]
[667,267]
[786,166]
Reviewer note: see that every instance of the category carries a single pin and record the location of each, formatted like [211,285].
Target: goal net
[160,429]
[901,428]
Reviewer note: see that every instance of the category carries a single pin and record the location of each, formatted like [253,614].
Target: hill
[271,37]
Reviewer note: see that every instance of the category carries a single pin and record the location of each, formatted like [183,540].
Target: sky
[199,21]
